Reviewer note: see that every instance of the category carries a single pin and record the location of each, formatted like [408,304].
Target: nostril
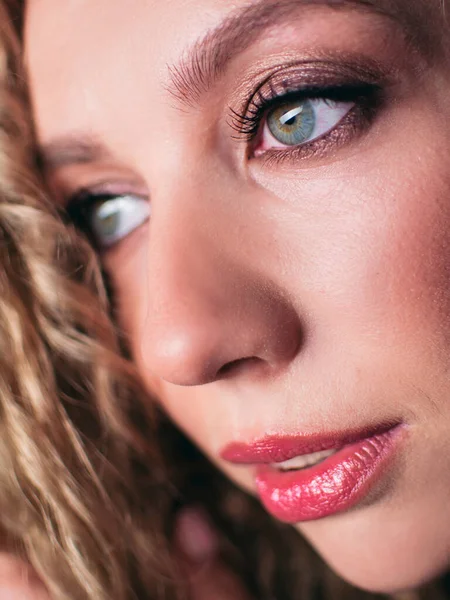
[191,342]
[234,366]
[226,369]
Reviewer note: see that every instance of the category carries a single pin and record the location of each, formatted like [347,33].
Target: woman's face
[269,186]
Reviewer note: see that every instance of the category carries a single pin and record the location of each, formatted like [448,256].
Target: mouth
[303,478]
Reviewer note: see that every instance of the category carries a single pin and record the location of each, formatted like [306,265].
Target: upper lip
[279,448]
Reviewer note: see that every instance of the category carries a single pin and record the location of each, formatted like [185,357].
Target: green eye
[292,123]
[106,220]
[112,219]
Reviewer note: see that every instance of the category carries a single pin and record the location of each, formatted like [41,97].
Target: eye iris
[106,220]
[292,123]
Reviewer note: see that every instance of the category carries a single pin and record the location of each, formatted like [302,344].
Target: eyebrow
[72,149]
[208,58]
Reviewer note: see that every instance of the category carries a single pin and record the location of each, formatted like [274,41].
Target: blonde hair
[68,490]
[72,446]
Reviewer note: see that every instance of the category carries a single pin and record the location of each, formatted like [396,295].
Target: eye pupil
[290,118]
[292,123]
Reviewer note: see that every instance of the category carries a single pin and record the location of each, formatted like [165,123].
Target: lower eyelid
[354,125]
[321,129]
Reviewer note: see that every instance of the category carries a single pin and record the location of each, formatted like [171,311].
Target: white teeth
[307,460]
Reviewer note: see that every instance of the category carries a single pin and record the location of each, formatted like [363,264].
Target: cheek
[363,255]
[368,246]
[128,268]
[406,253]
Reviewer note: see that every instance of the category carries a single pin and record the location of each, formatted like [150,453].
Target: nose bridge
[189,257]
[186,275]
[182,263]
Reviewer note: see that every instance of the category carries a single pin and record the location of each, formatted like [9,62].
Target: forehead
[77,22]
[111,31]
[75,48]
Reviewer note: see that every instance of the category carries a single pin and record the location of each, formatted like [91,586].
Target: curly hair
[74,495]
[83,495]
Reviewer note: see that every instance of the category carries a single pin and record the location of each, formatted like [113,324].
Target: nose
[211,312]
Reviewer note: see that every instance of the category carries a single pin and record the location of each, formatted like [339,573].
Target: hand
[18,580]
[208,577]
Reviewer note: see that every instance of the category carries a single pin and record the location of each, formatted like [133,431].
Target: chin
[376,579]
[387,555]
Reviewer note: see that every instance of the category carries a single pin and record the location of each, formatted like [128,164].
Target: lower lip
[334,485]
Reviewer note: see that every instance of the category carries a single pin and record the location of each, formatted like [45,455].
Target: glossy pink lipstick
[335,484]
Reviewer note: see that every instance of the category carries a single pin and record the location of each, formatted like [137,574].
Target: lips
[335,484]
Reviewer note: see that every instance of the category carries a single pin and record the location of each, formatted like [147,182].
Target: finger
[18,581]
[208,576]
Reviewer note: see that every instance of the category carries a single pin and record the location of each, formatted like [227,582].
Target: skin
[18,581]
[197,552]
[274,292]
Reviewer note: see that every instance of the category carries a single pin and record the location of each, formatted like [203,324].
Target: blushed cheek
[370,238]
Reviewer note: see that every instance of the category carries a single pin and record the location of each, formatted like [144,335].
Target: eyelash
[248,123]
